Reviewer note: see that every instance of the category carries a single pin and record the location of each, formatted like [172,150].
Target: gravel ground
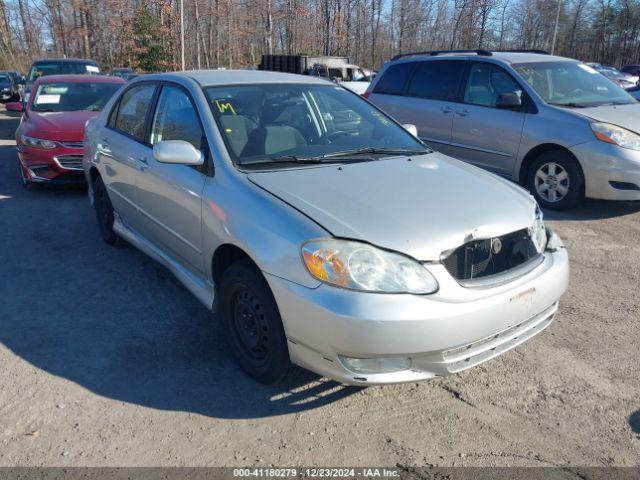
[107,360]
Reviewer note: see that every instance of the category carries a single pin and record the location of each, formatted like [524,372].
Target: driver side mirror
[177,152]
[508,101]
[411,128]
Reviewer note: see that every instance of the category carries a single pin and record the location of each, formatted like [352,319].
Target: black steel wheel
[252,323]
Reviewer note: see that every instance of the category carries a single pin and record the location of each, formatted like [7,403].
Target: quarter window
[436,80]
[394,78]
[486,83]
[176,118]
[132,113]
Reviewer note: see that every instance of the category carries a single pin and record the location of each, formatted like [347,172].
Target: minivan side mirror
[411,128]
[178,152]
[508,100]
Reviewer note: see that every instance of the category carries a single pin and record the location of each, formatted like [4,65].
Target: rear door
[483,134]
[427,100]
[170,195]
[122,148]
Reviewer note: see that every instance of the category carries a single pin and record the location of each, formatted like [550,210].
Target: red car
[51,130]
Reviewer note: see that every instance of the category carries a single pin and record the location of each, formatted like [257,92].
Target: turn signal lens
[363,267]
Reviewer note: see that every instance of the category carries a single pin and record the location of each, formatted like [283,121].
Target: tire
[252,323]
[104,212]
[556,180]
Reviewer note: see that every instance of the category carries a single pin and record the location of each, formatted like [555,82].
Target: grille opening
[70,162]
[491,256]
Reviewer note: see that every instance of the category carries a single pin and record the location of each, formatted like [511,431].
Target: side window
[132,113]
[436,80]
[394,78]
[176,118]
[486,83]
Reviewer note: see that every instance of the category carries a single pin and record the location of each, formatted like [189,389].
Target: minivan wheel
[104,212]
[252,323]
[556,180]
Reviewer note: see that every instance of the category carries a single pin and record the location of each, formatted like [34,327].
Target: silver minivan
[321,231]
[552,124]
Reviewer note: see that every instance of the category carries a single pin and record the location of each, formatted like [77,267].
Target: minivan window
[132,113]
[262,122]
[572,84]
[394,78]
[436,80]
[62,68]
[176,118]
[486,83]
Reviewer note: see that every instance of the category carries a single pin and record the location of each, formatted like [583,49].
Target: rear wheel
[556,180]
[252,323]
[104,212]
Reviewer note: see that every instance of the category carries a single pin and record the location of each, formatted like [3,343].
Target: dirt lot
[106,360]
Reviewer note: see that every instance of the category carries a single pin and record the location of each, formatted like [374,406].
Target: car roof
[505,57]
[65,60]
[79,79]
[208,78]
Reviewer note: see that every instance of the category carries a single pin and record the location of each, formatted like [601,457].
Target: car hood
[421,206]
[626,116]
[59,125]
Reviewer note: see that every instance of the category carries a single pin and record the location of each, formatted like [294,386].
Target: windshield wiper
[374,151]
[569,105]
[282,159]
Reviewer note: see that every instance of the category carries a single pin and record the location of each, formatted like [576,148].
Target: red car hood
[66,126]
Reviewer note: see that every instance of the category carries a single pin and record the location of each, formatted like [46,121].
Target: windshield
[571,84]
[62,68]
[70,97]
[262,122]
[5,78]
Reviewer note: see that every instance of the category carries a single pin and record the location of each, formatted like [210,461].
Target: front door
[483,134]
[170,195]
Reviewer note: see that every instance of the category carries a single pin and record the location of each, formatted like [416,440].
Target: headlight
[38,142]
[539,234]
[360,266]
[606,132]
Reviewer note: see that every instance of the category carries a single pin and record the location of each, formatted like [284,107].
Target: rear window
[436,80]
[62,68]
[394,78]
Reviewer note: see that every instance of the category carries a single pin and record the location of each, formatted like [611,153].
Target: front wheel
[556,180]
[252,323]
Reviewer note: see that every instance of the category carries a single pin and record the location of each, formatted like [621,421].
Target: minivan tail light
[366,94]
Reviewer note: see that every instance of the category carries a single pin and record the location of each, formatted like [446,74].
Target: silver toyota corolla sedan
[323,233]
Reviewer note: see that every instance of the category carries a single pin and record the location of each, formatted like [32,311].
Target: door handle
[463,113]
[143,163]
[447,109]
